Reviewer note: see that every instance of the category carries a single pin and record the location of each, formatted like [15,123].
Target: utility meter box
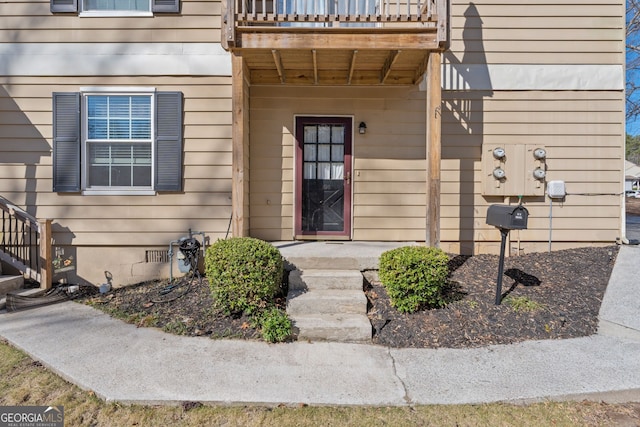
[513,170]
[508,217]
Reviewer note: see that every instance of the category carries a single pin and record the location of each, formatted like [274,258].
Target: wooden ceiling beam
[422,68]
[352,66]
[278,60]
[388,63]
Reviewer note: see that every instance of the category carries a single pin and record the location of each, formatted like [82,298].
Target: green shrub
[244,274]
[274,324]
[414,276]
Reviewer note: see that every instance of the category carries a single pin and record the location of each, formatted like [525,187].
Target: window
[115,7]
[118,144]
[108,142]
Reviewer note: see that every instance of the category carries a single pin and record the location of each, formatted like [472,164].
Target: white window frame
[113,13]
[115,191]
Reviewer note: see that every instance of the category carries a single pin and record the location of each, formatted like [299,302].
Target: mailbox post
[506,218]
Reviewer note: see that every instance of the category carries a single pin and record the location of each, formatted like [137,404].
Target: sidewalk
[120,362]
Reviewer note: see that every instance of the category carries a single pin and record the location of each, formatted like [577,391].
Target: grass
[523,303]
[26,382]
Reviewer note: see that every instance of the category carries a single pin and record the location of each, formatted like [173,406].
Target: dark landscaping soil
[186,310]
[559,295]
[545,296]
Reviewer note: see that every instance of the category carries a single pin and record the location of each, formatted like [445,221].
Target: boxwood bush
[414,277]
[245,274]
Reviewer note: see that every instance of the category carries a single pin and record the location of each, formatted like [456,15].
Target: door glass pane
[324,170]
[310,135]
[324,134]
[337,135]
[337,153]
[337,171]
[309,171]
[324,152]
[309,153]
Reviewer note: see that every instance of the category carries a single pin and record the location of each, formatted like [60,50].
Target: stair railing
[25,243]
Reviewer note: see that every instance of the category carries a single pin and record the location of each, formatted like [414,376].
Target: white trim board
[486,77]
[114,59]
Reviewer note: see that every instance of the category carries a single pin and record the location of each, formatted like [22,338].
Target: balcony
[334,42]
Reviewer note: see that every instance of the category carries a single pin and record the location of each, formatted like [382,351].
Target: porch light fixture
[362,128]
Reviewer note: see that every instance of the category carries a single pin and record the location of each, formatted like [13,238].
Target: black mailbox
[508,217]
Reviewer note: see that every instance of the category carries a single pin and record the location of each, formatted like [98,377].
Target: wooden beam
[239,158]
[330,40]
[315,66]
[352,66]
[278,60]
[46,254]
[422,68]
[228,39]
[434,149]
[388,63]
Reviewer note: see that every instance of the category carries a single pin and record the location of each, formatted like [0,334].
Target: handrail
[257,15]
[25,242]
[334,11]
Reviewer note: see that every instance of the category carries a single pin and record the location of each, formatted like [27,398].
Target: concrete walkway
[120,362]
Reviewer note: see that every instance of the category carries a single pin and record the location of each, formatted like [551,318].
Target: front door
[323,177]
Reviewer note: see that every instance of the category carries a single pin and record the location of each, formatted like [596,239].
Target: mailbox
[508,217]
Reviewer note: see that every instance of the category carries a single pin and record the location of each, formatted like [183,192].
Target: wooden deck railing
[335,11]
[285,14]
[25,243]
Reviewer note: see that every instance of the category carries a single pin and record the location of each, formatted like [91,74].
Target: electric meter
[540,154]
[539,174]
[499,153]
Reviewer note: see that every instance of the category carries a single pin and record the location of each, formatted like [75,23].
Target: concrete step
[325,279]
[333,327]
[326,301]
[10,283]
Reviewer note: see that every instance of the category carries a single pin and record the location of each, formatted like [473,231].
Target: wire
[594,194]
[190,248]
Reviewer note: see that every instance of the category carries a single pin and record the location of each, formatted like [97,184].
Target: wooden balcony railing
[25,243]
[288,14]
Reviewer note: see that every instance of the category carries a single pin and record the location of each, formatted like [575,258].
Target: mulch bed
[545,296]
[557,295]
[183,311]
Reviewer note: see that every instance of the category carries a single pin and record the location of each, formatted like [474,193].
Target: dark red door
[323,176]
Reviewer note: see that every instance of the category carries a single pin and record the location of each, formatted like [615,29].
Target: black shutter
[168,141]
[66,142]
[165,6]
[63,5]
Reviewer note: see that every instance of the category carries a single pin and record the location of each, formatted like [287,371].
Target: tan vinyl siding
[388,167]
[584,148]
[32,22]
[538,31]
[205,204]
[582,131]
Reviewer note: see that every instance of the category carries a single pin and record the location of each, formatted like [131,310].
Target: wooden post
[227,29]
[46,259]
[434,113]
[239,162]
